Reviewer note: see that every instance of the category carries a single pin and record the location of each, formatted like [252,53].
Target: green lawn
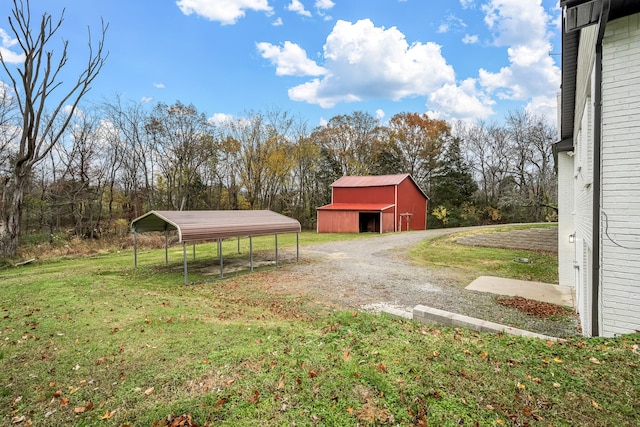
[91,341]
[472,262]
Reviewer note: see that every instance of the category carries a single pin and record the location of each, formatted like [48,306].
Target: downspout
[597,169]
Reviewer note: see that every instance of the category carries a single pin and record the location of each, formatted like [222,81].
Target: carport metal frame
[194,226]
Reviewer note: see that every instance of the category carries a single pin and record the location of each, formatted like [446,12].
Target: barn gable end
[380,204]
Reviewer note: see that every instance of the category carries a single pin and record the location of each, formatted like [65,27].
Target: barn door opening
[369,222]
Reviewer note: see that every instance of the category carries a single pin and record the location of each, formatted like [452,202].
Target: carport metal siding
[193,226]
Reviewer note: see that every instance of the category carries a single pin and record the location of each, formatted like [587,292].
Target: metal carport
[194,226]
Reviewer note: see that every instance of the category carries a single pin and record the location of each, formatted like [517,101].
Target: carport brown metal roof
[194,226]
[211,225]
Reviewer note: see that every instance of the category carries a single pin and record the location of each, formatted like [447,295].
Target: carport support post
[251,252]
[166,245]
[220,255]
[276,250]
[184,259]
[194,251]
[238,244]
[135,249]
[297,246]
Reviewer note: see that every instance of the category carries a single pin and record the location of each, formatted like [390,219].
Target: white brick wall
[620,237]
[566,227]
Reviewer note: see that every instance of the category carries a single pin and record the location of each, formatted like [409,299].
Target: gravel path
[368,274]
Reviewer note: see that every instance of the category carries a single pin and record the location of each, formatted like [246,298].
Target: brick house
[598,160]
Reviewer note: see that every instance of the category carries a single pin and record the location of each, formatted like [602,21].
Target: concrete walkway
[538,291]
[532,239]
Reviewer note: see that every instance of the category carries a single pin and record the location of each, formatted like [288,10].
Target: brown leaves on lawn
[536,308]
[83,409]
[184,420]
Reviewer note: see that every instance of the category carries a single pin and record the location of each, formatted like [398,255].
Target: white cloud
[146,99]
[297,7]
[9,56]
[290,60]
[452,23]
[466,4]
[159,85]
[324,4]
[462,102]
[516,22]
[277,23]
[226,12]
[380,114]
[531,74]
[367,62]
[470,39]
[546,106]
[219,119]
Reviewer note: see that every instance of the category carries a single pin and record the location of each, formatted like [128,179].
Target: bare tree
[38,88]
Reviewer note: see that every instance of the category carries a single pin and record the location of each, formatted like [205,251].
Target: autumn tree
[419,141]
[347,141]
[42,98]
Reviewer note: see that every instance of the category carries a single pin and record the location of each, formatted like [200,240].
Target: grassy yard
[471,262]
[91,341]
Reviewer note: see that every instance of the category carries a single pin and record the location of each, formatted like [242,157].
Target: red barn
[378,204]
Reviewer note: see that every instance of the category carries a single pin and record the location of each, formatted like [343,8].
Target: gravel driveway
[368,274]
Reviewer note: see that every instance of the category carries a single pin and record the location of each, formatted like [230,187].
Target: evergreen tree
[452,190]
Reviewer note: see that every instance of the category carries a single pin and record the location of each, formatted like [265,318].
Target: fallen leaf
[57,393]
[489,407]
[18,420]
[149,391]
[521,386]
[484,355]
[64,401]
[281,385]
[556,385]
[595,404]
[381,368]
[313,374]
[255,398]
[557,360]
[594,360]
[82,409]
[107,415]
[436,353]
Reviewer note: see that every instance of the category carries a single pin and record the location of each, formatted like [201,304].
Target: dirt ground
[369,274]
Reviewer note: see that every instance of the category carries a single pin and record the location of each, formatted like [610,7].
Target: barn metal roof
[375,207]
[210,225]
[375,181]
[370,181]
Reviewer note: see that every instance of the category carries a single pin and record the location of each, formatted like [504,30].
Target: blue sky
[455,59]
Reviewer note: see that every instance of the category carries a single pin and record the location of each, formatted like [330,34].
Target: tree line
[88,170]
[120,159]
